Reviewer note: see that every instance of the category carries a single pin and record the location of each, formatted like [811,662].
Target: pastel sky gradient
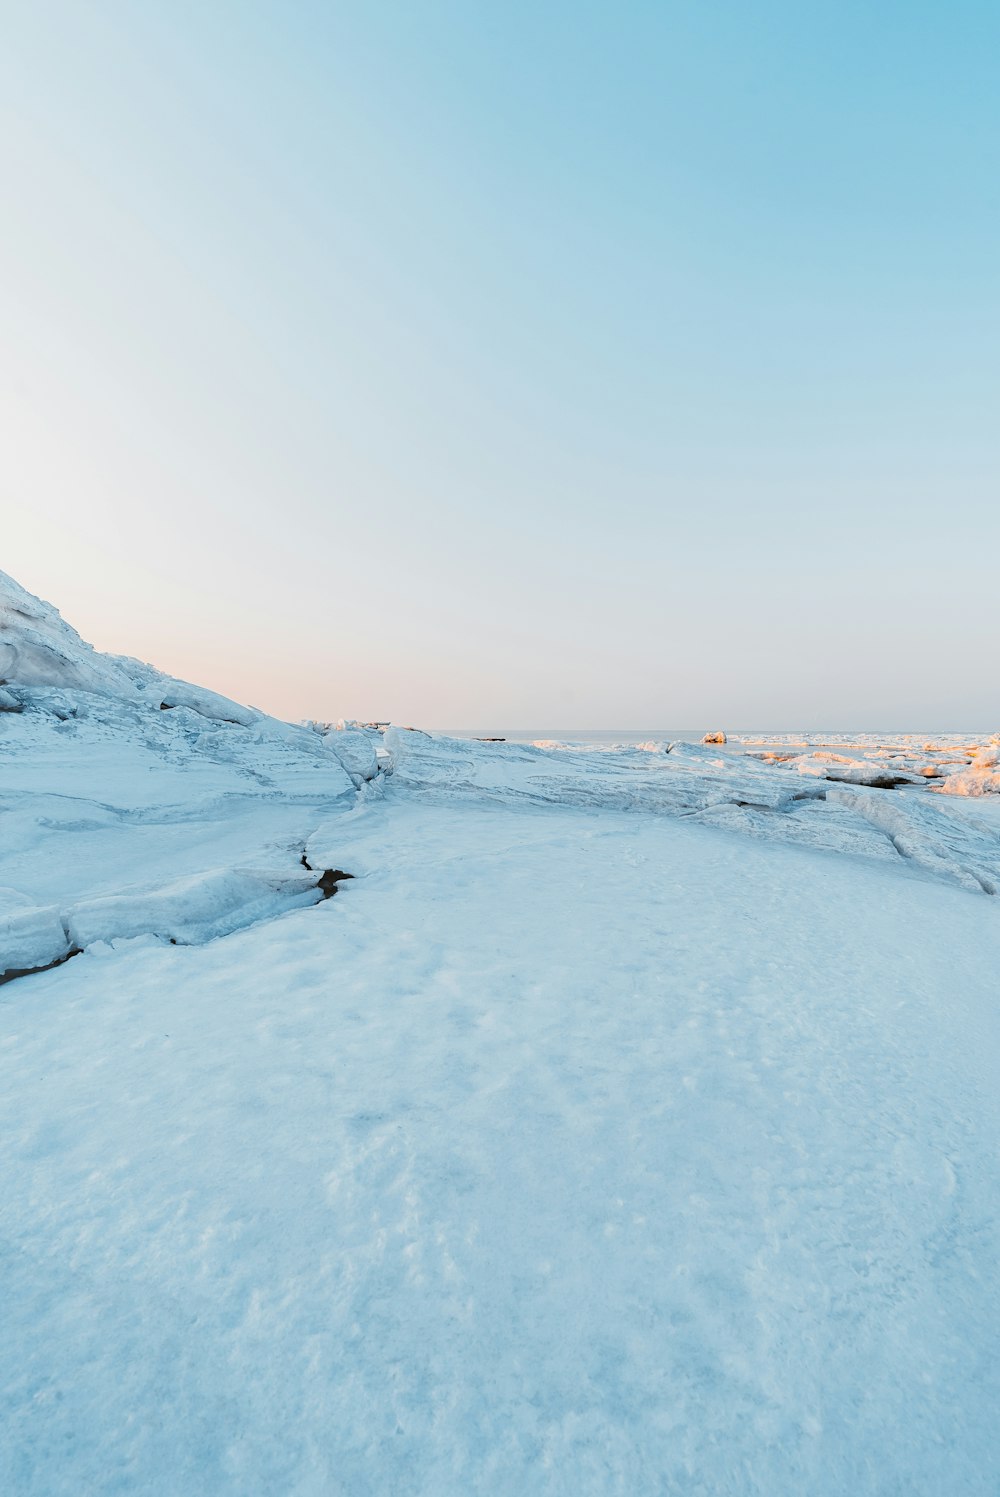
[583,365]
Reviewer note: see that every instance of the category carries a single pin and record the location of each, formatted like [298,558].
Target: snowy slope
[132,803]
[626,1125]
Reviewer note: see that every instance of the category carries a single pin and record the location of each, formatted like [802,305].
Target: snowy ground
[626,1125]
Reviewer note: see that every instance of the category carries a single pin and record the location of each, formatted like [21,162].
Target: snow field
[564,1152]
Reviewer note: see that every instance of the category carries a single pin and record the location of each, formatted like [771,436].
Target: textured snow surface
[767,799]
[120,819]
[563,1152]
[627,1124]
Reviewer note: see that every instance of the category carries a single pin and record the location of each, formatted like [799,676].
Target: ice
[742,793]
[838,767]
[356,751]
[193,909]
[206,703]
[981,777]
[38,648]
[949,849]
[115,814]
[30,935]
[627,1123]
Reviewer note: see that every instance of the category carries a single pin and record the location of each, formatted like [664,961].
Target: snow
[627,1124]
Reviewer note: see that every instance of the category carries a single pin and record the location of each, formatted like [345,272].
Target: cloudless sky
[587,365]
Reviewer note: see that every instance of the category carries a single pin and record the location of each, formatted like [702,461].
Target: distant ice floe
[949,766]
[981,776]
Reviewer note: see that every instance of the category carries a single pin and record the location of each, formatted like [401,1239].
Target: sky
[474,365]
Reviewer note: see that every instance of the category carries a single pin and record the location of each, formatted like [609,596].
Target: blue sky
[563,364]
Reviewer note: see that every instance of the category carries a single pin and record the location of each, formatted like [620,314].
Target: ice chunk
[952,850]
[30,935]
[193,909]
[981,777]
[210,704]
[356,752]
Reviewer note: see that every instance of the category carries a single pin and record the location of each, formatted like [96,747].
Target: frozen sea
[627,1123]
